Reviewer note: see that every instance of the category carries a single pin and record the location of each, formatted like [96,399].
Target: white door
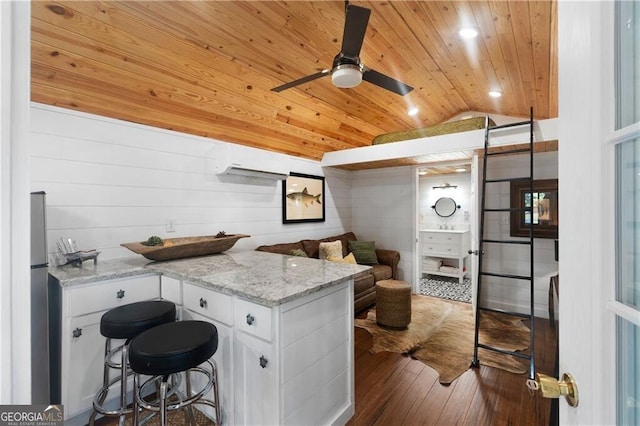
[475,228]
[599,185]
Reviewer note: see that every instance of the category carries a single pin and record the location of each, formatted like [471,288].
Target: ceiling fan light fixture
[346,76]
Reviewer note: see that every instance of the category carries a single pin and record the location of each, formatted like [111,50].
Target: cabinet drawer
[439,237]
[209,303]
[448,250]
[109,294]
[253,319]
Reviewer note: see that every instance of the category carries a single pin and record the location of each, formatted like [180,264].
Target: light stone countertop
[265,278]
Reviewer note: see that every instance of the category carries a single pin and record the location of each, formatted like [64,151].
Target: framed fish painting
[303,198]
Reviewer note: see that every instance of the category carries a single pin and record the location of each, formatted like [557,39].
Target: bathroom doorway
[446,212]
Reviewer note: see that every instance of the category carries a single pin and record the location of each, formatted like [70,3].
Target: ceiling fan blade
[386,82]
[301,81]
[355,26]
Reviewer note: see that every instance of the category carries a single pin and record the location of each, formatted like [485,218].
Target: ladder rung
[506,126]
[510,151]
[517,179]
[515,277]
[502,311]
[503,351]
[507,242]
[509,209]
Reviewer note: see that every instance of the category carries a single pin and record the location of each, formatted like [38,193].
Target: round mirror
[445,207]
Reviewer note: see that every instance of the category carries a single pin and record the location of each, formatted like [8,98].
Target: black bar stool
[183,346]
[126,322]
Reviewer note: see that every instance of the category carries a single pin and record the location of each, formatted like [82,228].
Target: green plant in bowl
[153,240]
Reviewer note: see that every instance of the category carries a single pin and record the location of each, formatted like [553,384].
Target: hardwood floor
[392,389]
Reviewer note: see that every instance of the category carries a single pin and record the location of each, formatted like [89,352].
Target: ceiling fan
[347,70]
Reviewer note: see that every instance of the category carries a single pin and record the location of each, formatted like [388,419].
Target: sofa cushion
[284,248]
[364,300]
[344,238]
[381,272]
[330,249]
[298,252]
[312,247]
[364,251]
[350,258]
[362,283]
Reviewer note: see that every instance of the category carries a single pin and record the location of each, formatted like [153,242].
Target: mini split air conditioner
[231,159]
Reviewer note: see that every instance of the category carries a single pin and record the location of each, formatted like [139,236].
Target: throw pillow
[364,251]
[298,252]
[332,249]
[350,258]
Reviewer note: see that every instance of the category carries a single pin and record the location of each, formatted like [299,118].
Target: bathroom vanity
[444,252]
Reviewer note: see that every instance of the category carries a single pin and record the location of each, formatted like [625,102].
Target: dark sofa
[364,284]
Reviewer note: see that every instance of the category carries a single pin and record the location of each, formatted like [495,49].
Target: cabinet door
[171,289]
[256,385]
[224,364]
[86,360]
[82,345]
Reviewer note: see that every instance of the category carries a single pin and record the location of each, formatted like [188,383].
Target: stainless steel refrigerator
[40,393]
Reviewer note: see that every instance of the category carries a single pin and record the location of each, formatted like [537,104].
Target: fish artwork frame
[303,198]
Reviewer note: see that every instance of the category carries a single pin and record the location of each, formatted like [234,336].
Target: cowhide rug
[441,335]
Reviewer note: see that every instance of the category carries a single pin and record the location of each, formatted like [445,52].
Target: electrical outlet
[170,225]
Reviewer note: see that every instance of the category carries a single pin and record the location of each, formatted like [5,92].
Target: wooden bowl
[179,248]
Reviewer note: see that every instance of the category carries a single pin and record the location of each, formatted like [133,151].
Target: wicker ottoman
[393,303]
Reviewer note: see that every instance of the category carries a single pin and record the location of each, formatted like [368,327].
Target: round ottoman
[393,303]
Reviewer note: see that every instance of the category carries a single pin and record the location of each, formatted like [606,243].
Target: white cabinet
[82,345]
[171,289]
[256,385]
[303,372]
[207,305]
[315,348]
[443,252]
[287,364]
[86,349]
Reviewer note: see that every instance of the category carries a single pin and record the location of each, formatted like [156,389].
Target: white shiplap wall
[511,294]
[110,182]
[383,210]
[428,197]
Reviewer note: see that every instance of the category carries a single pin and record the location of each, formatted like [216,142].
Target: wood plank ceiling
[207,67]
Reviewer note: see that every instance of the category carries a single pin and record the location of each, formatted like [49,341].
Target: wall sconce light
[445,186]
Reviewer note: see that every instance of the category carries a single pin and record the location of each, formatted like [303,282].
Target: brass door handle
[550,387]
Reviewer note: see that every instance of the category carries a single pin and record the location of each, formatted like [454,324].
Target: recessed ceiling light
[413,111]
[495,93]
[468,32]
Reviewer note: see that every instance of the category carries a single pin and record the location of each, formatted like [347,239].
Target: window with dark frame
[544,212]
